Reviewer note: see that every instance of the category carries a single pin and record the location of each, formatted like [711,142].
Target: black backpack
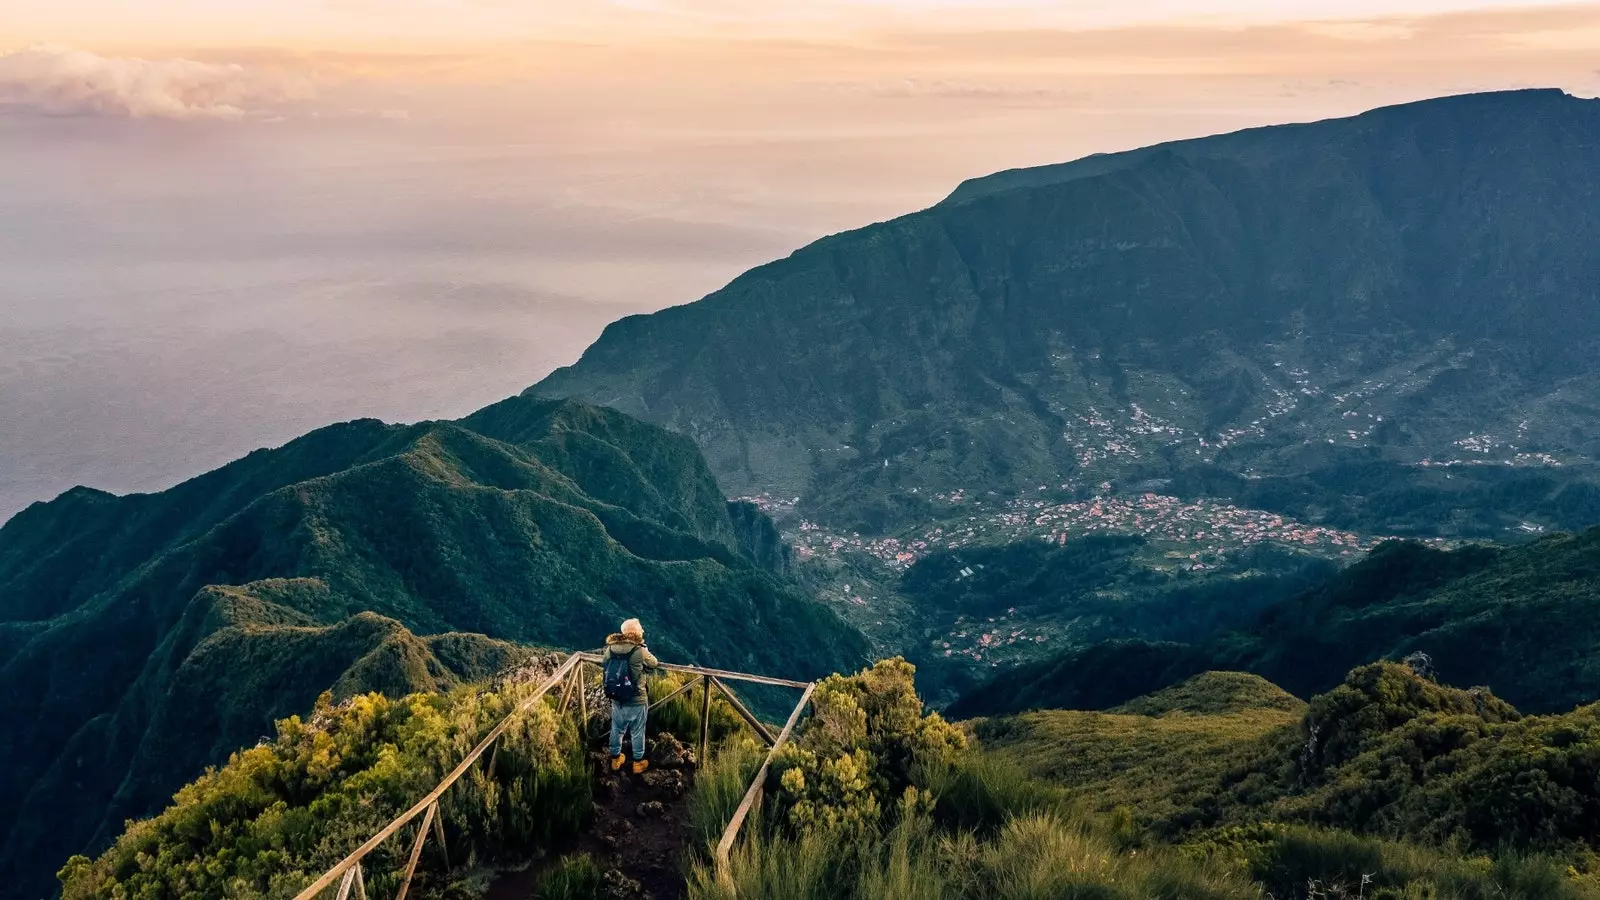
[619,683]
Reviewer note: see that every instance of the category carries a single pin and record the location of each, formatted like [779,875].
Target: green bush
[1394,755]
[279,814]
[858,754]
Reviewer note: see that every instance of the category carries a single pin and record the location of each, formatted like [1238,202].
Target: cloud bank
[61,81]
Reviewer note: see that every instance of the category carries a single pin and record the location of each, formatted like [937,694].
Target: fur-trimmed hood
[620,640]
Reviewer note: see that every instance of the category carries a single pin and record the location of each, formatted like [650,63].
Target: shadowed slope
[1322,306]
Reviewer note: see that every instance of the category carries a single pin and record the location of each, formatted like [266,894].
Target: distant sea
[175,294]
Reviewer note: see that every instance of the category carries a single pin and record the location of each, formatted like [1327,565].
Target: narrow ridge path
[639,832]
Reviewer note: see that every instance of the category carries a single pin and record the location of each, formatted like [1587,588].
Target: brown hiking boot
[640,766]
[617,761]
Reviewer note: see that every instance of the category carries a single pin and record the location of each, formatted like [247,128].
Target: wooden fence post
[583,707]
[438,835]
[352,877]
[566,694]
[416,851]
[749,717]
[705,721]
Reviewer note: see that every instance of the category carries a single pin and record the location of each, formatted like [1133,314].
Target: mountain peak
[1400,297]
[1496,104]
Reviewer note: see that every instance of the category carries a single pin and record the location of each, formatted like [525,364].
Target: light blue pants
[628,717]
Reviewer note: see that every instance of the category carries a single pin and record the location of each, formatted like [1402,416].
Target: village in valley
[1184,540]
[859,575]
[1204,529]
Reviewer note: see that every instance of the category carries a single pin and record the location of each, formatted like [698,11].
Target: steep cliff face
[1349,302]
[760,539]
[144,637]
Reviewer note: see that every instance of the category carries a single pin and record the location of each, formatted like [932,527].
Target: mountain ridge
[1412,289]
[336,561]
[1099,163]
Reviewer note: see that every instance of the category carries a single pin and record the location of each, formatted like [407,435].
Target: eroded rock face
[759,537]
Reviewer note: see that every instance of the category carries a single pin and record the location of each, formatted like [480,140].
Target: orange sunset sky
[1051,79]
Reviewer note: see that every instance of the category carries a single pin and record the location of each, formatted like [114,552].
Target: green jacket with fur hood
[640,659]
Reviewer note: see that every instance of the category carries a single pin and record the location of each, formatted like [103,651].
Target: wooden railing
[348,871]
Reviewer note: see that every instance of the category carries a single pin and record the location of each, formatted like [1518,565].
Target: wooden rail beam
[719,673]
[749,717]
[705,722]
[731,833]
[681,688]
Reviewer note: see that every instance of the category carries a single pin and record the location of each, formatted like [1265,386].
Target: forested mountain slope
[1385,323]
[143,637]
[1522,620]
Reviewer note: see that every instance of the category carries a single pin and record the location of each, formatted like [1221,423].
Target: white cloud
[62,81]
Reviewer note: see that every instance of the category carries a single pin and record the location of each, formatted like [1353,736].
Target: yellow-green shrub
[279,814]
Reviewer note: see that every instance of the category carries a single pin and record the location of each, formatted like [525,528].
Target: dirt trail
[639,831]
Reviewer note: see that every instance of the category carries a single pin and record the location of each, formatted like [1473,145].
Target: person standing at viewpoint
[627,659]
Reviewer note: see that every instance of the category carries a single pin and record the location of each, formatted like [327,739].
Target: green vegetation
[1189,793]
[1224,787]
[1031,599]
[279,814]
[143,638]
[877,800]
[1524,620]
[1390,786]
[1029,858]
[1488,802]
[719,786]
[574,877]
[1319,864]
[1163,756]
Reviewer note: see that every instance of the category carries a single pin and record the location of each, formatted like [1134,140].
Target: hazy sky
[426,24]
[224,222]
